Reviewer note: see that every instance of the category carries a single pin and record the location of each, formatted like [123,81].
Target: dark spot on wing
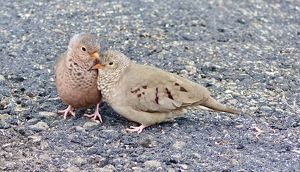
[156,96]
[139,95]
[145,87]
[143,93]
[169,94]
[183,89]
[176,84]
[136,90]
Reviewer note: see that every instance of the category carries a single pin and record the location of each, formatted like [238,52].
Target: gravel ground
[247,53]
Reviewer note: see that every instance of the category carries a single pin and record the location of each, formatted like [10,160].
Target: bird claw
[138,129]
[66,111]
[95,114]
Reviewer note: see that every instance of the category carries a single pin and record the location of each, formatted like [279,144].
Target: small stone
[171,170]
[35,138]
[179,144]
[71,169]
[221,30]
[228,91]
[24,131]
[79,161]
[137,169]
[59,31]
[30,94]
[40,126]
[88,126]
[184,166]
[44,145]
[234,161]
[266,108]
[47,115]
[3,121]
[45,157]
[240,146]
[13,54]
[107,168]
[177,156]
[79,129]
[152,163]
[241,21]
[188,37]
[103,162]
[145,143]
[2,78]
[32,121]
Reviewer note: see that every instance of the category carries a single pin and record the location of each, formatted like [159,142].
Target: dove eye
[83,49]
[111,63]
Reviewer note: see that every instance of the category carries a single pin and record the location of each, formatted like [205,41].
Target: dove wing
[155,90]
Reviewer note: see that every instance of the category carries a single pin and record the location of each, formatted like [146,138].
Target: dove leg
[95,114]
[138,129]
[66,111]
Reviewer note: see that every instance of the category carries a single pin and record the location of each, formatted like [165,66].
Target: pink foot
[138,129]
[66,111]
[95,114]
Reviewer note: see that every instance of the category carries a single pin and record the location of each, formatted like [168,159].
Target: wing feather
[155,90]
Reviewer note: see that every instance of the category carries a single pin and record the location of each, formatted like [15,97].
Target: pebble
[2,78]
[44,145]
[137,169]
[179,144]
[40,126]
[73,169]
[88,126]
[171,170]
[3,121]
[48,115]
[79,161]
[107,168]
[152,163]
[45,157]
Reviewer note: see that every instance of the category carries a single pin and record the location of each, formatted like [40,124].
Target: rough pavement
[247,53]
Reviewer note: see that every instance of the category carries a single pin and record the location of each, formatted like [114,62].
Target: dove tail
[212,104]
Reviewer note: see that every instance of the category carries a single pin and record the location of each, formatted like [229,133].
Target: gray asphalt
[247,53]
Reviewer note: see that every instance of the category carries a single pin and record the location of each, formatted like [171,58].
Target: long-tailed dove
[76,84]
[149,95]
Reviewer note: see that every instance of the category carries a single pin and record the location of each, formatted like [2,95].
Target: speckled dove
[149,95]
[76,84]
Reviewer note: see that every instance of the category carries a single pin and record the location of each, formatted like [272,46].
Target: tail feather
[216,106]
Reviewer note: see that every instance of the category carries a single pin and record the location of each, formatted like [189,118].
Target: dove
[149,95]
[75,83]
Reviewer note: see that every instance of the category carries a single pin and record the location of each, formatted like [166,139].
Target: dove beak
[95,55]
[96,66]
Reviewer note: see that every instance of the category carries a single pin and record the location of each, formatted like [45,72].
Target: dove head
[84,48]
[111,66]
